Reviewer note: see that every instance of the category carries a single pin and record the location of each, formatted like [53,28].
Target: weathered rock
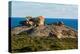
[18,30]
[59,31]
[40,31]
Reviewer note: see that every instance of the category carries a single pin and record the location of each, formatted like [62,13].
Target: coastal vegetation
[24,43]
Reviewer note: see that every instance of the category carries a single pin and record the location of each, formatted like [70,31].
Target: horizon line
[52,17]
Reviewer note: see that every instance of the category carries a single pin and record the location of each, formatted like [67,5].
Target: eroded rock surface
[58,30]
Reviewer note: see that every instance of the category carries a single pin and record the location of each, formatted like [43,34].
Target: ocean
[73,23]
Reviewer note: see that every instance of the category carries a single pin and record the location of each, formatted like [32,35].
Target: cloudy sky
[22,9]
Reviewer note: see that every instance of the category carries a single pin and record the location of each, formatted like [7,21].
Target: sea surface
[73,23]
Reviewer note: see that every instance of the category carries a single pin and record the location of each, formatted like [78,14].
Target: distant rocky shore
[38,28]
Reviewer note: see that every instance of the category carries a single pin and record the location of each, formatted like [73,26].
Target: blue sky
[22,9]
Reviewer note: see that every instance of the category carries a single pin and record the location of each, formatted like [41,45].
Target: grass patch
[25,43]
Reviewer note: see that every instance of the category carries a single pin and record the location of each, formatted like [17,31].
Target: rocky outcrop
[59,30]
[33,21]
[20,29]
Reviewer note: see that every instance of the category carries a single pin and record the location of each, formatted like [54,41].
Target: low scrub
[24,43]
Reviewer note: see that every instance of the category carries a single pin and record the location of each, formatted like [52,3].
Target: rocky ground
[55,30]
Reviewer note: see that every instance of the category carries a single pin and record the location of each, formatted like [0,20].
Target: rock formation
[37,21]
[59,30]
[41,20]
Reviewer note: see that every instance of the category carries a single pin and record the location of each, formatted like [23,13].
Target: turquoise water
[69,22]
